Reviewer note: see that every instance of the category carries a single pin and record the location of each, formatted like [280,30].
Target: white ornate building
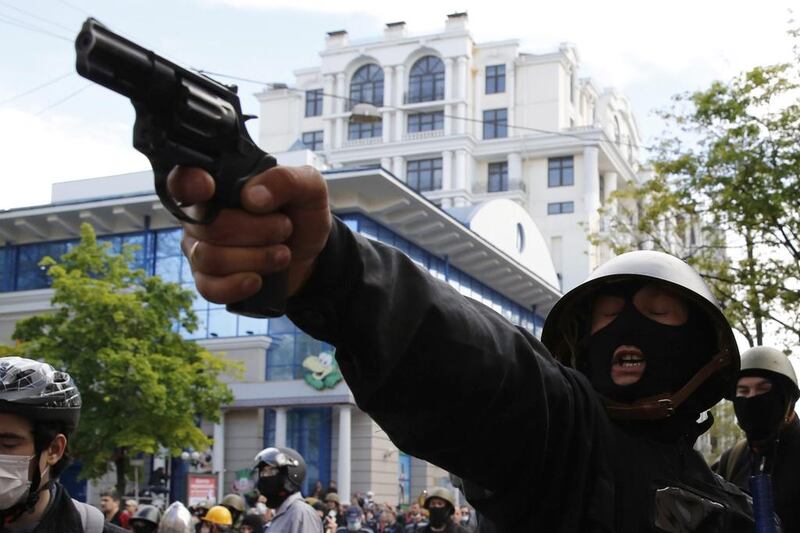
[465,122]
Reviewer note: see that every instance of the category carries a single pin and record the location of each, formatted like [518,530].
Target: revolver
[183,118]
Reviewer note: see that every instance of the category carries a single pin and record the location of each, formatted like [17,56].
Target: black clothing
[783,462]
[450,527]
[563,466]
[61,516]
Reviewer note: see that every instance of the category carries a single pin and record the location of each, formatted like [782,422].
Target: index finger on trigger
[190,185]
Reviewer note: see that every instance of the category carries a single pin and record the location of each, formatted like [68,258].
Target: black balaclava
[673,354]
[273,488]
[761,416]
[439,515]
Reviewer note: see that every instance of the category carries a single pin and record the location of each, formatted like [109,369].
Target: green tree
[726,197]
[114,329]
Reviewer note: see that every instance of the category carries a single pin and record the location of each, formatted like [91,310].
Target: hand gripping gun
[183,118]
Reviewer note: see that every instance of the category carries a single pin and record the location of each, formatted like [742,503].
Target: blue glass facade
[308,429]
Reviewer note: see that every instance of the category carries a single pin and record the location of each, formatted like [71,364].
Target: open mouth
[627,365]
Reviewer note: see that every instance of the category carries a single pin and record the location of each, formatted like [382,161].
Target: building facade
[464,122]
[291,392]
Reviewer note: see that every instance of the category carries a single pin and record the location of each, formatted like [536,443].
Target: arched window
[426,80]
[367,86]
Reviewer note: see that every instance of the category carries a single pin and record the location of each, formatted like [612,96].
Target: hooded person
[596,422]
[440,505]
[39,411]
[280,473]
[236,505]
[766,392]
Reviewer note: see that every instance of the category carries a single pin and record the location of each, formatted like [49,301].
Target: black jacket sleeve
[450,380]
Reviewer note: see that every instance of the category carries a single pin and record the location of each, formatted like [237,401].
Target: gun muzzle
[112,61]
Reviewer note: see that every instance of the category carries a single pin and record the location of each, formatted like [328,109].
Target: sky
[56,126]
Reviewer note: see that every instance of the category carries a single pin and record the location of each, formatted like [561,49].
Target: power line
[33,15]
[59,102]
[27,26]
[466,119]
[76,8]
[34,89]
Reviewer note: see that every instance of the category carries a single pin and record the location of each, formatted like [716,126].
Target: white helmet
[763,359]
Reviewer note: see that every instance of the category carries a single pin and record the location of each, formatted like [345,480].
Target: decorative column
[514,170]
[388,92]
[218,457]
[340,135]
[399,115]
[280,426]
[460,180]
[449,83]
[461,95]
[343,464]
[591,195]
[386,163]
[397,168]
[447,170]
[510,86]
[328,103]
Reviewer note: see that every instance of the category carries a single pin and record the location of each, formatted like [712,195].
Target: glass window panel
[169,268]
[280,357]
[168,243]
[252,326]
[221,323]
[281,325]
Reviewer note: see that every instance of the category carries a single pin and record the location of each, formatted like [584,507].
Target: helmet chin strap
[664,406]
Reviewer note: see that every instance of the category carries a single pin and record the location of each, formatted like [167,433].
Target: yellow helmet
[219,515]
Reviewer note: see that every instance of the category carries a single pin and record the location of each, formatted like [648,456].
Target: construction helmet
[770,363]
[234,501]
[219,515]
[441,493]
[568,323]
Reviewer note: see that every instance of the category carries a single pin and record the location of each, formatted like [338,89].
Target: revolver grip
[268,302]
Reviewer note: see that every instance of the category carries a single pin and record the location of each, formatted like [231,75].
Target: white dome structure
[509,227]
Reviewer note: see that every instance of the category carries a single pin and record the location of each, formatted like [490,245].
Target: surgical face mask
[14,482]
[464,518]
[354,525]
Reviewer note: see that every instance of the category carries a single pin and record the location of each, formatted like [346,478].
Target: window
[425,121]
[367,86]
[495,79]
[364,130]
[314,103]
[560,208]
[313,140]
[424,174]
[495,124]
[498,177]
[560,171]
[617,131]
[426,80]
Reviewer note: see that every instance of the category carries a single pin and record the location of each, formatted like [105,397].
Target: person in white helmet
[766,393]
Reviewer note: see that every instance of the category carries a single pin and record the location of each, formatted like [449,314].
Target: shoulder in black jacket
[541,448]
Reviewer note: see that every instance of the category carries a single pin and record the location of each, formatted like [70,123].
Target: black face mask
[673,354]
[272,488]
[760,416]
[439,516]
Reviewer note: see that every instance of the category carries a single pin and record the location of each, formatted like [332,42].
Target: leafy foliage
[143,386]
[726,197]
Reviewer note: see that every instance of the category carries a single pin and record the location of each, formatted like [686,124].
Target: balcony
[417,97]
[513,186]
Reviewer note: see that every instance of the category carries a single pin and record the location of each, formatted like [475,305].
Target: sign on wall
[321,371]
[201,488]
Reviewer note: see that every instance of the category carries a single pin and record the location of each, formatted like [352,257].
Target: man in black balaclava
[441,506]
[766,393]
[280,473]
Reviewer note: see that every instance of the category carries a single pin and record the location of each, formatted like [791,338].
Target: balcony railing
[419,97]
[350,143]
[513,186]
[420,135]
